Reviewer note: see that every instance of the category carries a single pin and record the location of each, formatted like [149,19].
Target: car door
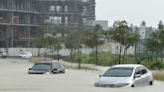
[56,67]
[144,76]
[137,80]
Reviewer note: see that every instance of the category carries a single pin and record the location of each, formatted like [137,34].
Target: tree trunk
[135,54]
[124,55]
[58,56]
[71,54]
[96,61]
[156,55]
[152,55]
[38,52]
[161,55]
[79,59]
[119,57]
[45,53]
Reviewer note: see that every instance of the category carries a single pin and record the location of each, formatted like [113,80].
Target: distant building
[103,23]
[145,33]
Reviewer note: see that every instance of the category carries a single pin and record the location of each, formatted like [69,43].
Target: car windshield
[119,72]
[42,66]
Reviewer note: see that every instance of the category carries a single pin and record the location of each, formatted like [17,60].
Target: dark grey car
[43,67]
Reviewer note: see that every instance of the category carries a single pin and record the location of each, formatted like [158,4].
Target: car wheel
[62,71]
[150,83]
[132,85]
[96,85]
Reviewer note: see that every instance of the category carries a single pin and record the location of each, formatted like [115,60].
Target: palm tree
[124,35]
[75,41]
[70,42]
[93,40]
[40,43]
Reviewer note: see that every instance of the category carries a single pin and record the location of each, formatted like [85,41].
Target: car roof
[53,61]
[127,65]
[43,62]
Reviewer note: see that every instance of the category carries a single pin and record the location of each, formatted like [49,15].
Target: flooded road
[14,78]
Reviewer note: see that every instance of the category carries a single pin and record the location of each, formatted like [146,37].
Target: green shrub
[154,65]
[129,59]
[106,59]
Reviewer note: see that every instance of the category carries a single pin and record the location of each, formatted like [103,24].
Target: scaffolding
[22,21]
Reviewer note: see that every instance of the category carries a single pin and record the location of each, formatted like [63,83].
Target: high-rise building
[22,21]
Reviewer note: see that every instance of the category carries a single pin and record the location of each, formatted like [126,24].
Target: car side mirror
[137,76]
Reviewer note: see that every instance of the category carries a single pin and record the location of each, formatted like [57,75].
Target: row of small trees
[121,33]
[155,44]
[48,41]
[78,40]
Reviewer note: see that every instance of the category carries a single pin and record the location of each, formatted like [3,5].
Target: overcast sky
[133,11]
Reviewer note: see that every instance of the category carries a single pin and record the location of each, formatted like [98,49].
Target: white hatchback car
[125,75]
[26,55]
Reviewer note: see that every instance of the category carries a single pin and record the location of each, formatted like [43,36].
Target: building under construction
[22,21]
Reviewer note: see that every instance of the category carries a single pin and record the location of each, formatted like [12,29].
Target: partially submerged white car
[125,75]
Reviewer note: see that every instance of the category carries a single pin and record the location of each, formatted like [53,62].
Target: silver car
[125,75]
[44,67]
